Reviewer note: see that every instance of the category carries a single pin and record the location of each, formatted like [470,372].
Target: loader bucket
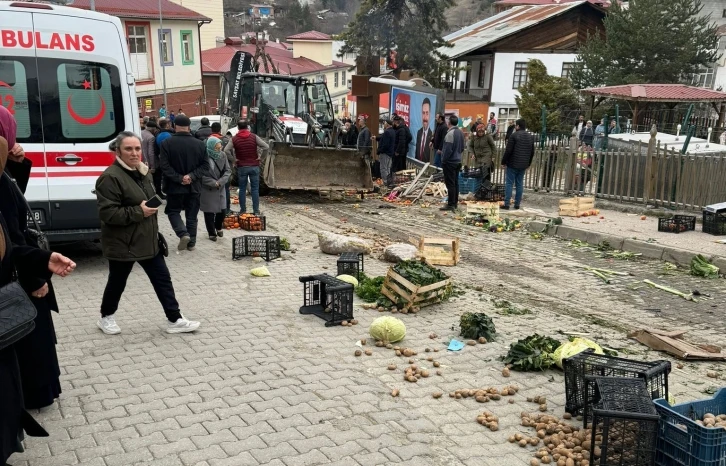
[300,167]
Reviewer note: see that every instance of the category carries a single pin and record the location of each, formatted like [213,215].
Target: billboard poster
[418,110]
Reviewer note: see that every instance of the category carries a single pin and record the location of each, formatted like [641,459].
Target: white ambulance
[65,75]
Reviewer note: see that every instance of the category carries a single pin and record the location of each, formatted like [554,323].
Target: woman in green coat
[130,234]
[482,148]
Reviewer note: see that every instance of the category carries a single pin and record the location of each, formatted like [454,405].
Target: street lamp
[161,54]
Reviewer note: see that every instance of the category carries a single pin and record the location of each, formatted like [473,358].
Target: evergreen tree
[648,41]
[414,28]
[556,93]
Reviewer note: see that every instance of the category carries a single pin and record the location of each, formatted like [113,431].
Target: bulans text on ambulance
[49,41]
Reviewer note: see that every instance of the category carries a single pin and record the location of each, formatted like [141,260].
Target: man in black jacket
[438,143]
[204,131]
[184,162]
[386,151]
[516,160]
[403,139]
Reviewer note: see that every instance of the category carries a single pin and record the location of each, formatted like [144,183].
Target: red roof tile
[218,60]
[142,9]
[659,93]
[310,35]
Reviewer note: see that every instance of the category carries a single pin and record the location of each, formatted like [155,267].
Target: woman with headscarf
[36,353]
[22,260]
[213,199]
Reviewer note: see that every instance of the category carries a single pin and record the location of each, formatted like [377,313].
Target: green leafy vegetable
[475,325]
[284,244]
[369,289]
[506,308]
[701,267]
[534,353]
[419,272]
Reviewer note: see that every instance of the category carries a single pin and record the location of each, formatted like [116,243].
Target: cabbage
[260,272]
[571,348]
[348,279]
[388,329]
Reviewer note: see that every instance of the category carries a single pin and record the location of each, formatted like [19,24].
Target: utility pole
[93,5]
[161,54]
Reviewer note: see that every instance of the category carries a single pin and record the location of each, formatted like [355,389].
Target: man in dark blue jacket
[451,161]
[386,151]
[516,160]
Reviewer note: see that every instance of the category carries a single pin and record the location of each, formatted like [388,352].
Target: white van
[66,76]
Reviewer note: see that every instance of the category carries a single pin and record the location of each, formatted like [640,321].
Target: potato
[391,367]
[439,373]
[518,437]
[425,373]
[511,439]
[362,341]
[546,459]
[534,462]
[358,352]
[471,342]
[389,346]
[380,344]
[408,352]
[505,392]
[543,407]
[395,392]
[511,401]
[482,340]
[494,426]
[523,443]
[481,399]
[412,379]
[437,364]
[569,462]
[429,359]
[567,416]
[534,441]
[368,352]
[428,350]
[437,394]
[496,397]
[398,353]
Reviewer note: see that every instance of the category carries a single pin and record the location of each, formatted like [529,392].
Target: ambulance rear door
[82,81]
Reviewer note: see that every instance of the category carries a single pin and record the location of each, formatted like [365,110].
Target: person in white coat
[213,199]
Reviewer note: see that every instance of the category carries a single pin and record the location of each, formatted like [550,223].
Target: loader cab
[319,103]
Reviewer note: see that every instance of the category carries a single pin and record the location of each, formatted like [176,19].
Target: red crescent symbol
[4,84]
[86,121]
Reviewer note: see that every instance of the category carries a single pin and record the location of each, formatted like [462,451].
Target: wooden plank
[411,287]
[401,292]
[415,180]
[433,286]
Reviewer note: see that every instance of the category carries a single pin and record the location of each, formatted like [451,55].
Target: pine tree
[649,41]
[414,28]
[556,93]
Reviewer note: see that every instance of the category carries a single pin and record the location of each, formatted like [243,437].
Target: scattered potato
[358,352]
[368,352]
[394,392]
[362,341]
[471,342]
[437,364]
[437,394]
[391,367]
[505,372]
[482,340]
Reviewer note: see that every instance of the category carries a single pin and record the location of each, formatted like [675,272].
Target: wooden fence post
[571,166]
[651,167]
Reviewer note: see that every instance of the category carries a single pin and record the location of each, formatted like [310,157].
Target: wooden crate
[576,206]
[490,210]
[396,288]
[439,251]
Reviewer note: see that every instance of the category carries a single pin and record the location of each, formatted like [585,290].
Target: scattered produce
[575,346]
[712,374]
[388,329]
[363,341]
[369,289]
[605,274]
[564,444]
[687,297]
[348,279]
[505,372]
[368,352]
[260,272]
[395,392]
[419,272]
[358,352]
[391,367]
[534,353]
[536,235]
[475,325]
[284,244]
[437,394]
[506,308]
[251,222]
[702,267]
[489,420]
[622,255]
[471,342]
[481,340]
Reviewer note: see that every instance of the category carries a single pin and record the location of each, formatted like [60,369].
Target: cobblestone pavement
[262,384]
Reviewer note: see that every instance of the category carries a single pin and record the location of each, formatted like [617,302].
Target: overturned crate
[439,251]
[406,295]
[576,206]
[487,210]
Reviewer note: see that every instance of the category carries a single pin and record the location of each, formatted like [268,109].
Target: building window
[336,79]
[482,71]
[567,69]
[520,75]
[165,49]
[138,39]
[187,47]
[723,14]
[704,78]
[342,77]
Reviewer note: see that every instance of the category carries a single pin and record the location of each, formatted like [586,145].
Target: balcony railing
[468,95]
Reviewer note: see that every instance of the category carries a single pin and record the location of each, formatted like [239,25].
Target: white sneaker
[108,325]
[182,326]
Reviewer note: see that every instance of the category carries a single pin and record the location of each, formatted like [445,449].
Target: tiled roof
[604,3]
[142,9]
[310,35]
[501,25]
[658,93]
[218,60]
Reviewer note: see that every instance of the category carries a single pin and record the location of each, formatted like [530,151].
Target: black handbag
[17,314]
[163,246]
[35,235]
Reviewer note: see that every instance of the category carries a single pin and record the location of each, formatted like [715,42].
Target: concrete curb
[681,257]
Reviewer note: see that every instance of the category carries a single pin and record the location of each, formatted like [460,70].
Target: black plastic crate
[677,224]
[587,363]
[350,263]
[328,298]
[266,247]
[714,224]
[472,173]
[625,423]
[253,223]
[495,194]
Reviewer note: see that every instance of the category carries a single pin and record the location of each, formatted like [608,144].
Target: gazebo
[639,95]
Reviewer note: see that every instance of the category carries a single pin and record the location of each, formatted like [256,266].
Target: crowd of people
[190,171]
